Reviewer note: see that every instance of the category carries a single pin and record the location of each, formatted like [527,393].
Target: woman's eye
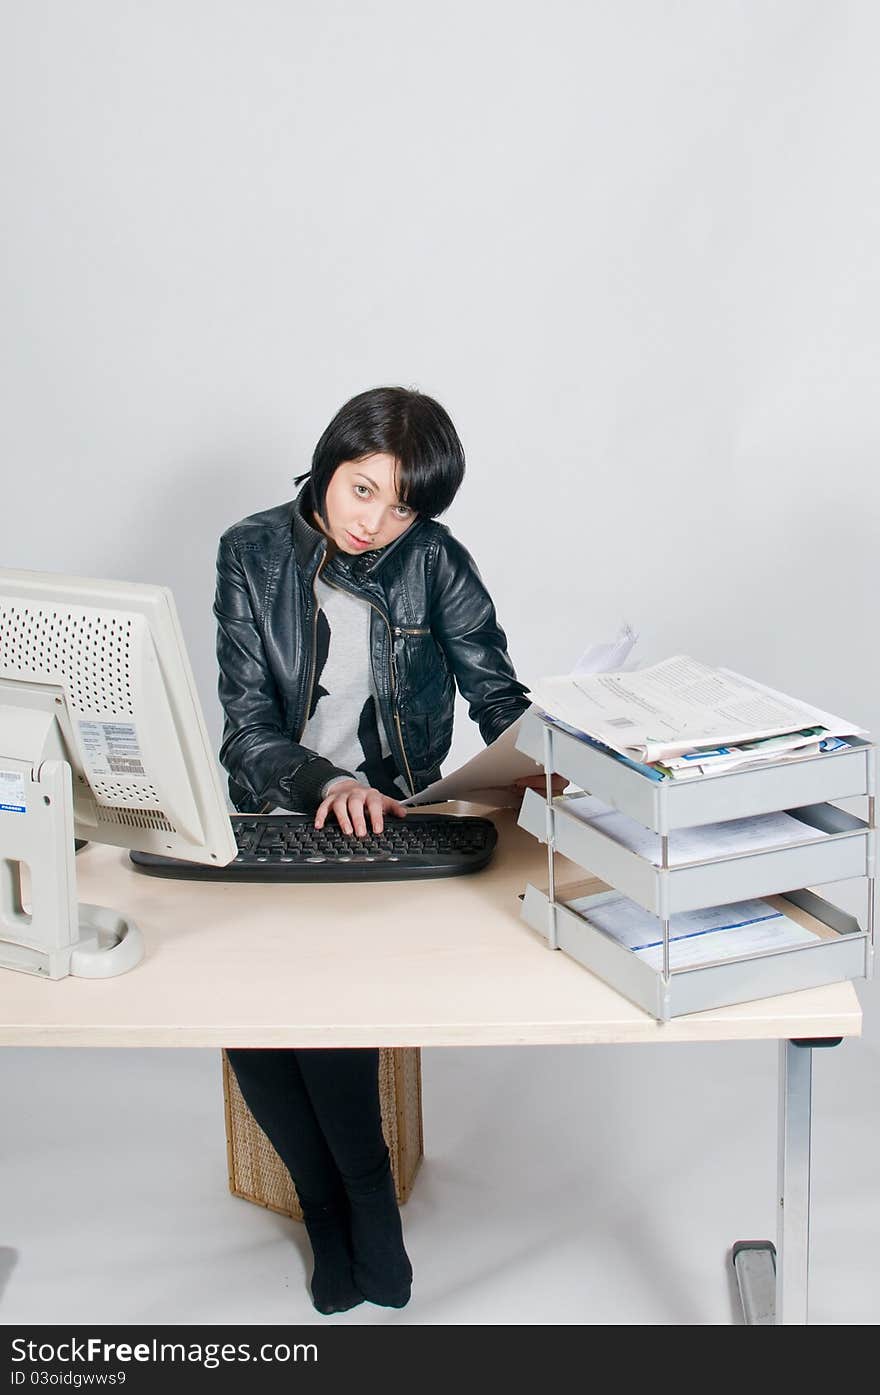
[361,490]
[403,510]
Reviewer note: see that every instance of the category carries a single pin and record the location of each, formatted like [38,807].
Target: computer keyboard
[288,848]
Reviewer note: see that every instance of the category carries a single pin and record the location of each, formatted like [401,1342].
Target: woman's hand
[351,802]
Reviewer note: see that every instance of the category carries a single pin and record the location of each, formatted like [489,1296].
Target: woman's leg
[273,1088]
[343,1086]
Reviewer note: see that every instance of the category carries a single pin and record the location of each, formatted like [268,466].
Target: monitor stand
[59,936]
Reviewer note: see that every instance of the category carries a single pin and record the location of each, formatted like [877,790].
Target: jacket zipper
[391,634]
[404,630]
[314,646]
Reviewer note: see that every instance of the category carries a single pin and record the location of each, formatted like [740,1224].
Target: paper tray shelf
[841,951]
[667,804]
[843,848]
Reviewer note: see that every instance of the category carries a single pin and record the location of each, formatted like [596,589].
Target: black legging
[320,1111]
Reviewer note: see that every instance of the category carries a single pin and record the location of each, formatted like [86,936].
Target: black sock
[380,1265]
[333,1287]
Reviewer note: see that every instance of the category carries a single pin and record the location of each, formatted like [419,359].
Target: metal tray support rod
[553,936]
[872,846]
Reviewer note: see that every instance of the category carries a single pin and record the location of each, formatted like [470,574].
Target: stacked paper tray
[834,846]
[840,850]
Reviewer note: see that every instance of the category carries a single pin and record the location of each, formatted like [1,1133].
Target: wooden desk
[434,963]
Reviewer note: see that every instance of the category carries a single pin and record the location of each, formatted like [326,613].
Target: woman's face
[361,505]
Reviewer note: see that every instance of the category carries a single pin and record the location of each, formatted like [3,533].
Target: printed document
[671,707]
[695,937]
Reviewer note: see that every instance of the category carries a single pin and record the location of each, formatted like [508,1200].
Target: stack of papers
[695,937]
[680,719]
[705,842]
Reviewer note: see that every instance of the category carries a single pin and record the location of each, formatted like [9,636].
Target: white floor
[560,1185]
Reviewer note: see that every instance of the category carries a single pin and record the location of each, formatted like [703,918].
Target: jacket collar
[310,544]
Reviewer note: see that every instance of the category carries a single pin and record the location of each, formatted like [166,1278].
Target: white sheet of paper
[486,777]
[695,937]
[710,840]
[489,775]
[606,658]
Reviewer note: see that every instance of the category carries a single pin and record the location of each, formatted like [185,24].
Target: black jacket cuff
[307,782]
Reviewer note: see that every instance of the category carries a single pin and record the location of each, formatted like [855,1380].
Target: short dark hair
[405,424]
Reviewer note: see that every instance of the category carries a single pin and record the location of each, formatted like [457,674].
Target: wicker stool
[257,1173]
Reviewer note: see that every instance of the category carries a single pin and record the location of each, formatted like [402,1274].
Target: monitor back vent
[116,794]
[89,652]
[134,818]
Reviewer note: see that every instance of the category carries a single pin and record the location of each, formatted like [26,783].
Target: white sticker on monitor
[111,749]
[12,792]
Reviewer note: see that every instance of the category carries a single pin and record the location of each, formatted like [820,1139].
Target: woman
[346,618]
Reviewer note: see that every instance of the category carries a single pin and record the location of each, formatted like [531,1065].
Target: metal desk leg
[793,1190]
[773,1280]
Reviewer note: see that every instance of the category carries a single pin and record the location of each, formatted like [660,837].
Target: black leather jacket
[433,621]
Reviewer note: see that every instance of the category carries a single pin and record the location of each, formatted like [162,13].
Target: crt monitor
[102,738]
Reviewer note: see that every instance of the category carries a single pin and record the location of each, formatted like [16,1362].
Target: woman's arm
[477,650]
[464,621]
[260,756]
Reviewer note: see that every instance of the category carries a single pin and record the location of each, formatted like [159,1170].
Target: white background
[630,246]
